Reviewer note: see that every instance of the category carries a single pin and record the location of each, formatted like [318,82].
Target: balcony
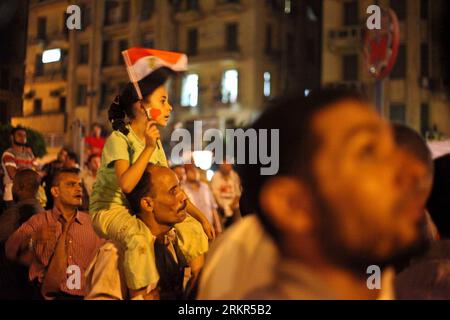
[54,140]
[49,74]
[228,6]
[188,15]
[344,40]
[46,39]
[349,85]
[216,53]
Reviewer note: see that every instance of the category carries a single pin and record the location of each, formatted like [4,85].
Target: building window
[82,95]
[192,44]
[424,9]
[350,13]
[38,65]
[397,113]
[125,14]
[192,5]
[111,7]
[37,106]
[103,94]
[148,6]
[42,27]
[62,104]
[232,31]
[230,86]
[3,112]
[399,6]
[228,1]
[107,53]
[148,43]
[268,39]
[424,118]
[424,57]
[83,54]
[4,79]
[86,13]
[123,45]
[189,91]
[267,84]
[287,6]
[350,67]
[399,70]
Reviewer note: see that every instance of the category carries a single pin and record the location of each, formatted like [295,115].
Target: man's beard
[357,260]
[19,143]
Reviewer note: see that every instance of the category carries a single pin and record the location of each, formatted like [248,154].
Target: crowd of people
[352,192]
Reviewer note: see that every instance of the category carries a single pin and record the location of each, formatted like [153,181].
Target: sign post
[381,51]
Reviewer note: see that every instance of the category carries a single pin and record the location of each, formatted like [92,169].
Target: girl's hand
[151,134]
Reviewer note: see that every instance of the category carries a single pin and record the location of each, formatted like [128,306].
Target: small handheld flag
[142,62]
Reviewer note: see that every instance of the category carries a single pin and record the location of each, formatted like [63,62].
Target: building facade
[241,53]
[417,91]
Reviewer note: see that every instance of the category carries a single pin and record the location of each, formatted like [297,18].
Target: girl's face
[158,107]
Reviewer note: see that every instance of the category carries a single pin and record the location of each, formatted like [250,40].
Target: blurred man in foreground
[337,206]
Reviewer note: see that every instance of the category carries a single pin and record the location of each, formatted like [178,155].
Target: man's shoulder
[110,247]
[109,253]
[8,153]
[84,217]
[115,137]
[244,236]
[38,218]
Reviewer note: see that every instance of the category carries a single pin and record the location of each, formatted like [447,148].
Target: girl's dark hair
[122,105]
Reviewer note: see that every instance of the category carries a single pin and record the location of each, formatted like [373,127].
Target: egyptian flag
[148,68]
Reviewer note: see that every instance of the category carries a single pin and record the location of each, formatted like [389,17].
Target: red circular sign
[381,45]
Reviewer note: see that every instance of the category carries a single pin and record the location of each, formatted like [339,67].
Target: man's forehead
[164,177]
[69,177]
[347,119]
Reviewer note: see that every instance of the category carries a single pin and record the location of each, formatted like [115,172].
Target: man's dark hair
[58,173]
[16,129]
[438,204]
[66,149]
[28,179]
[72,156]
[298,143]
[142,189]
[411,141]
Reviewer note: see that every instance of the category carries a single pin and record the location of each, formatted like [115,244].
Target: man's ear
[288,205]
[147,204]
[54,191]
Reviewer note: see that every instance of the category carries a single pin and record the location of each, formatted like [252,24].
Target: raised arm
[129,175]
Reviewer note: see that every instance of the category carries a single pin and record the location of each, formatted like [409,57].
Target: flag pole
[133,79]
